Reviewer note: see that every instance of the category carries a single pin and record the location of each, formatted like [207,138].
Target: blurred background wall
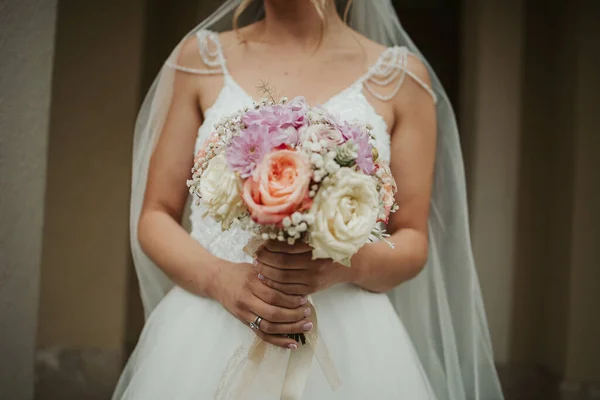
[26,53]
[522,75]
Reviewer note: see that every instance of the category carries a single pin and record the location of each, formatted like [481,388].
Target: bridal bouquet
[286,171]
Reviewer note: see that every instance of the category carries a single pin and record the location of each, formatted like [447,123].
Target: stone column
[26,51]
[583,350]
[96,95]
[491,118]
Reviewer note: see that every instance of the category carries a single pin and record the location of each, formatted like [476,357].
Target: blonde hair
[320,5]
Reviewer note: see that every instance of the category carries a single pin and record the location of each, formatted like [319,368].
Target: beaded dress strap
[211,54]
[392,67]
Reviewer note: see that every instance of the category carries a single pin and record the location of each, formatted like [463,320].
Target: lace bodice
[349,104]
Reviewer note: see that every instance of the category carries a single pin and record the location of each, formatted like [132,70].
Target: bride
[402,323]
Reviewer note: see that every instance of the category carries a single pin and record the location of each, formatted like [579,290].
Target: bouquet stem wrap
[300,360]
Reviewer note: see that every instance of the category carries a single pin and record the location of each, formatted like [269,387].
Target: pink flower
[278,186]
[248,149]
[283,120]
[365,150]
[299,110]
[324,134]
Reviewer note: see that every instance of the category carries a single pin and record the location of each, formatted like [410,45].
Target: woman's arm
[377,267]
[160,234]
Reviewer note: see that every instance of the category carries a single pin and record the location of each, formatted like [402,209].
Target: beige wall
[26,48]
[94,103]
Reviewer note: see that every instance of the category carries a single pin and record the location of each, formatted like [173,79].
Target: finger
[286,276]
[276,246]
[286,260]
[280,341]
[276,314]
[277,298]
[292,289]
[286,329]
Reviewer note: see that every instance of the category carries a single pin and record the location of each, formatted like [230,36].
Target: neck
[297,21]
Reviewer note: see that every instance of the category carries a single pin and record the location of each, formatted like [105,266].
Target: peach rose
[278,186]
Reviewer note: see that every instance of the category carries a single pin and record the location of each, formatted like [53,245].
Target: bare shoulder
[416,93]
[416,66]
[189,54]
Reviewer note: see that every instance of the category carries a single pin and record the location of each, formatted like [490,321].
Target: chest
[348,105]
[318,77]
[223,95]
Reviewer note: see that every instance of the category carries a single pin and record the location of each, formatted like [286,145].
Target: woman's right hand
[240,292]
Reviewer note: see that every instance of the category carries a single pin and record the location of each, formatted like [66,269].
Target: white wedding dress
[186,346]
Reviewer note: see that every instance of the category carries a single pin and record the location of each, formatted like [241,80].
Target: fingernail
[307,311]
[293,347]
[307,326]
[303,301]
[255,262]
[261,277]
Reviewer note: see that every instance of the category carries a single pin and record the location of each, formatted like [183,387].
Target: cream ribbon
[300,360]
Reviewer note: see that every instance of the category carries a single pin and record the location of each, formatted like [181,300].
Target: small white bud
[316,147]
[265,236]
[331,166]
[286,222]
[296,218]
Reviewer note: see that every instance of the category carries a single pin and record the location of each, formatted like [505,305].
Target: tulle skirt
[188,343]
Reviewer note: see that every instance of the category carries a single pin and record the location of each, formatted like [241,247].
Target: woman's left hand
[290,269]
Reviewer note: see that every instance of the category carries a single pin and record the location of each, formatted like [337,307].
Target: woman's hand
[240,292]
[291,269]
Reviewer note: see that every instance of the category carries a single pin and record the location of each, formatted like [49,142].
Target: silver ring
[256,323]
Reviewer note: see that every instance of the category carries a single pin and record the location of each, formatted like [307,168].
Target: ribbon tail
[297,373]
[301,362]
[327,366]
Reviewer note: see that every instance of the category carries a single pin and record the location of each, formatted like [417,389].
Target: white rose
[324,135]
[220,191]
[344,216]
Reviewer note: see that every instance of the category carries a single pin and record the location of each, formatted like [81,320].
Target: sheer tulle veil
[442,308]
